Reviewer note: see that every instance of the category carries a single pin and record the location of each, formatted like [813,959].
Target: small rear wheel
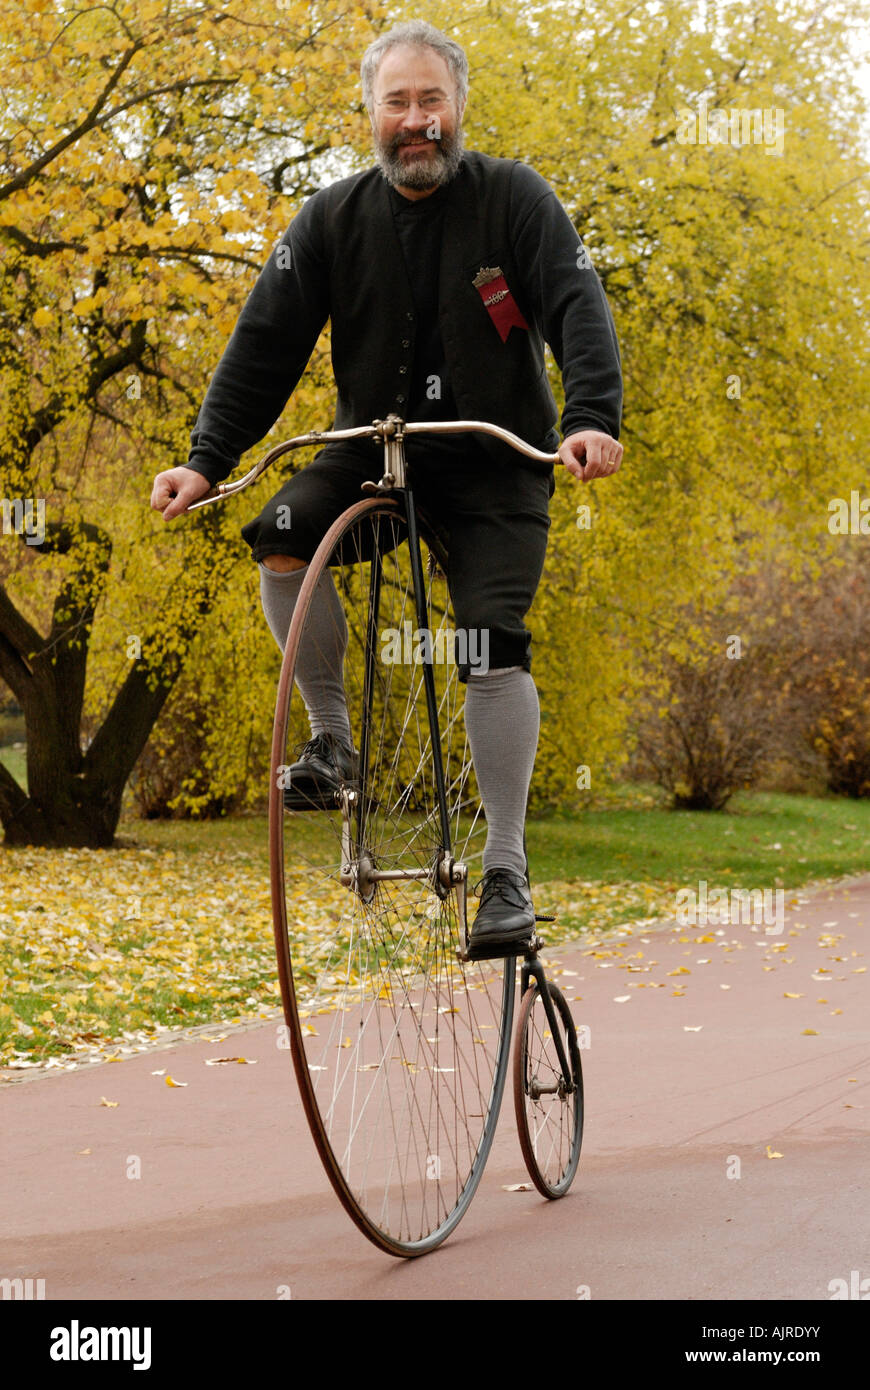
[549,1105]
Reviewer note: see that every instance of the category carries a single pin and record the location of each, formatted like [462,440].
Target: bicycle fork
[358,870]
[565,1085]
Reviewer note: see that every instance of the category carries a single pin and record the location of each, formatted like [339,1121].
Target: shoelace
[505,884]
[318,746]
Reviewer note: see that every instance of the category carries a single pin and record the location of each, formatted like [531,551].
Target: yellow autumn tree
[161,152]
[742,324]
[150,153]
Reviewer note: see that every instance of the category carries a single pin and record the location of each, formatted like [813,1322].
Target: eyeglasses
[397,106]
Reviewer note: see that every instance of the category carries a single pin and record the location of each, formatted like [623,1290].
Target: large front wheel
[400,1050]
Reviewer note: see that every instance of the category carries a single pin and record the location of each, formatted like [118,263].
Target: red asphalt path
[232,1201]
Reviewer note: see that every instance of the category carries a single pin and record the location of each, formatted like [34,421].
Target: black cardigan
[341,259]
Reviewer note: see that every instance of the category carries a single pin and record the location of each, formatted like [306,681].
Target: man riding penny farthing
[443,273]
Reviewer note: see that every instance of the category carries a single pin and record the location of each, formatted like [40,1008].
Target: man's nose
[414,116]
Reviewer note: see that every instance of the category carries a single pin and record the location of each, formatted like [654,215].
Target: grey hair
[419,34]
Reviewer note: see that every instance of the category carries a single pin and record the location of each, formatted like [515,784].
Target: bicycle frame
[446,874]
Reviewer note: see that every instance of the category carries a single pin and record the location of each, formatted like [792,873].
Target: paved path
[685,1083]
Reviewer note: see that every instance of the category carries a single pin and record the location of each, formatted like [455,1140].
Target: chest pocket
[494,284]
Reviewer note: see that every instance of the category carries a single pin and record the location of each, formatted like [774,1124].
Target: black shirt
[419,225]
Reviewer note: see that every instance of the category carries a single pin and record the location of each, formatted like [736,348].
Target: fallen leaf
[84,1151]
[772,1153]
[810,1033]
[517,1187]
[216,1061]
[621,998]
[170,1082]
[792,996]
[110,1103]
[688,1029]
[159,1073]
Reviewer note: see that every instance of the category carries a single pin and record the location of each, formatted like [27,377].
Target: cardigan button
[399,399]
[406,342]
[402,371]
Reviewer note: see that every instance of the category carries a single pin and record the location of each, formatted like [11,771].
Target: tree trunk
[74,797]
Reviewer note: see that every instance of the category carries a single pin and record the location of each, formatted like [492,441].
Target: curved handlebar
[391,428]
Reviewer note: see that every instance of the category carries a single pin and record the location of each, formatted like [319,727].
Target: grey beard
[430,174]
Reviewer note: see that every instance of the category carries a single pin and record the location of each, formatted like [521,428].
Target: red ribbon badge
[498,300]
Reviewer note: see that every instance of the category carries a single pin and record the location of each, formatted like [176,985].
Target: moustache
[414,137]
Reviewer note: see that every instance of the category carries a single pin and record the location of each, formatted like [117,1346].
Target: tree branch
[17,640]
[88,123]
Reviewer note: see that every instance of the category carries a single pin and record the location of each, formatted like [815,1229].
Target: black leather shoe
[324,766]
[505,922]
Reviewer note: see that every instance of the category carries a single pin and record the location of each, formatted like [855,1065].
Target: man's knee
[283,563]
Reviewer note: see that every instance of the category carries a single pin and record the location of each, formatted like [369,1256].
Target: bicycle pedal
[499,951]
[540,918]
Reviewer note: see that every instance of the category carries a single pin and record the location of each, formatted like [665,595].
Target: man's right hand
[175,489]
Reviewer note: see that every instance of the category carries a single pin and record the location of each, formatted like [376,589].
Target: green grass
[817,838]
[761,838]
[15,761]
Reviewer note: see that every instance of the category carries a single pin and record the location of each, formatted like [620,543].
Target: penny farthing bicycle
[401,1043]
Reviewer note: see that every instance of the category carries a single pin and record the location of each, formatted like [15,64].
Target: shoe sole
[500,950]
[316,799]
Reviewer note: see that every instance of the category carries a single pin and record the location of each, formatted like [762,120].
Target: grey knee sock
[502,719]
[320,662]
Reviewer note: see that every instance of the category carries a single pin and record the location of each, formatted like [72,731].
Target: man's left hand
[590,454]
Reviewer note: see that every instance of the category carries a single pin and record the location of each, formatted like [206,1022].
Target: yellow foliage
[143,235]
